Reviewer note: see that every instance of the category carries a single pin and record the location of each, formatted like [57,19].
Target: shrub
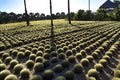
[11,77]
[65,63]
[4,73]
[32,57]
[0,61]
[30,64]
[60,78]
[13,63]
[27,53]
[46,56]
[25,73]
[17,69]
[39,53]
[61,56]
[103,62]
[78,56]
[48,74]
[58,68]
[36,77]
[54,60]
[69,75]
[117,73]
[2,67]
[20,55]
[60,50]
[90,58]
[93,73]
[38,67]
[99,67]
[7,60]
[72,59]
[78,68]
[46,63]
[39,59]
[84,62]
[1,53]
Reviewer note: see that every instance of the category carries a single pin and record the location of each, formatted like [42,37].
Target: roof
[108,4]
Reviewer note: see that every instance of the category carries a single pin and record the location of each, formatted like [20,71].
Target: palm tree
[26,14]
[69,17]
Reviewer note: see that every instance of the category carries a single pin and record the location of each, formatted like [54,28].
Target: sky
[42,6]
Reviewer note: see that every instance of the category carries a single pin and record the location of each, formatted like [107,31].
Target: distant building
[109,5]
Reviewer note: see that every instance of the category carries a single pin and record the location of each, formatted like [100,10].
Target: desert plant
[58,68]
[2,67]
[7,60]
[54,60]
[68,53]
[32,57]
[48,74]
[118,67]
[117,73]
[36,77]
[93,73]
[65,63]
[24,73]
[13,63]
[5,55]
[30,64]
[78,68]
[11,77]
[61,56]
[99,67]
[103,62]
[4,73]
[38,67]
[116,78]
[78,56]
[46,56]
[18,68]
[46,63]
[34,50]
[27,53]
[90,58]
[14,53]
[20,55]
[107,58]
[38,59]
[60,78]
[72,59]
[69,75]
[39,53]
[84,62]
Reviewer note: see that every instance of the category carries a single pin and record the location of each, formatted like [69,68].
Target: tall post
[89,5]
[51,14]
[69,17]
[26,14]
